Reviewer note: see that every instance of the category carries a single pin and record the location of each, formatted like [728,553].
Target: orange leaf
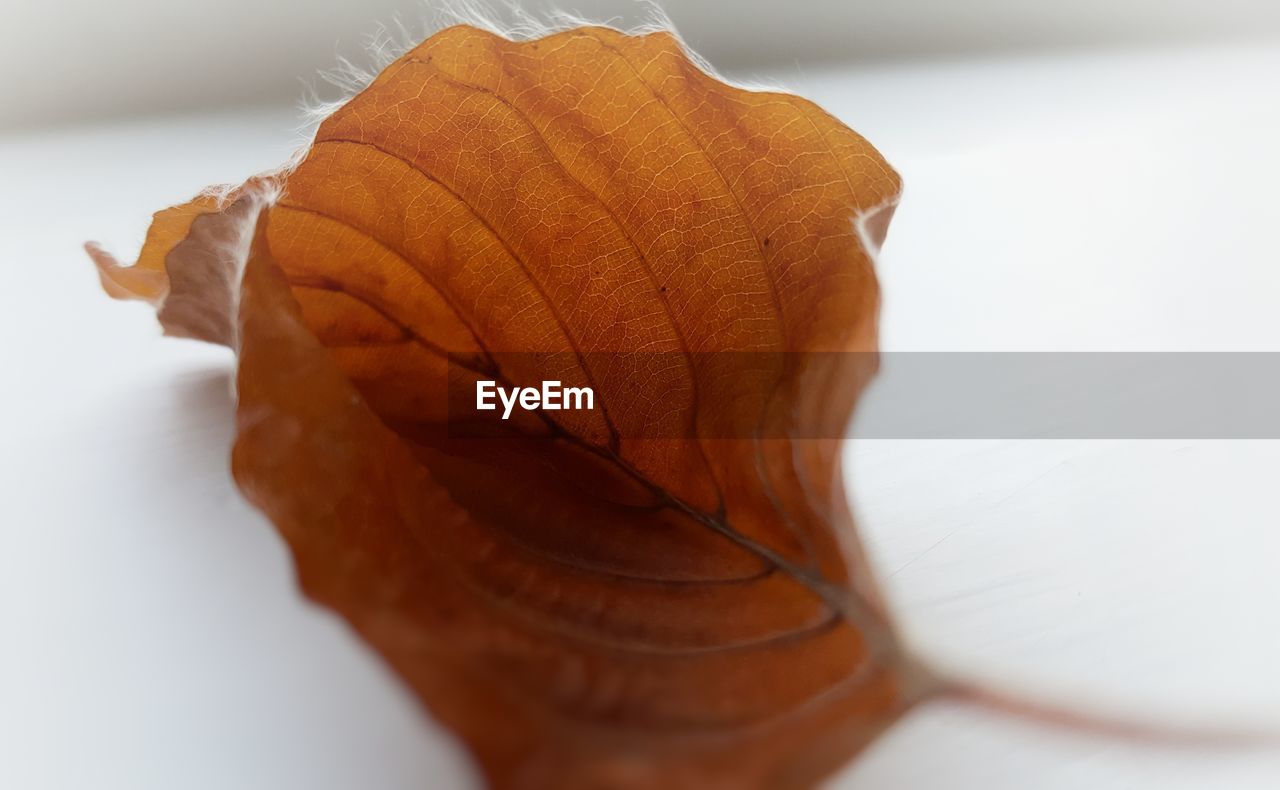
[665,590]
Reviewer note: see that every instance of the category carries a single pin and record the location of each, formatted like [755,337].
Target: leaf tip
[125,282]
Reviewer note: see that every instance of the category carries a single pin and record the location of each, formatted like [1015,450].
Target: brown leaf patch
[663,591]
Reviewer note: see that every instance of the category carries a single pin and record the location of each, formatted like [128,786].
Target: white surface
[152,636]
[73,60]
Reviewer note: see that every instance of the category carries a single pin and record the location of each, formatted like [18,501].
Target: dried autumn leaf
[586,600]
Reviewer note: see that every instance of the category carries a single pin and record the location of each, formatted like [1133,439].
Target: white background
[1101,196]
[69,60]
